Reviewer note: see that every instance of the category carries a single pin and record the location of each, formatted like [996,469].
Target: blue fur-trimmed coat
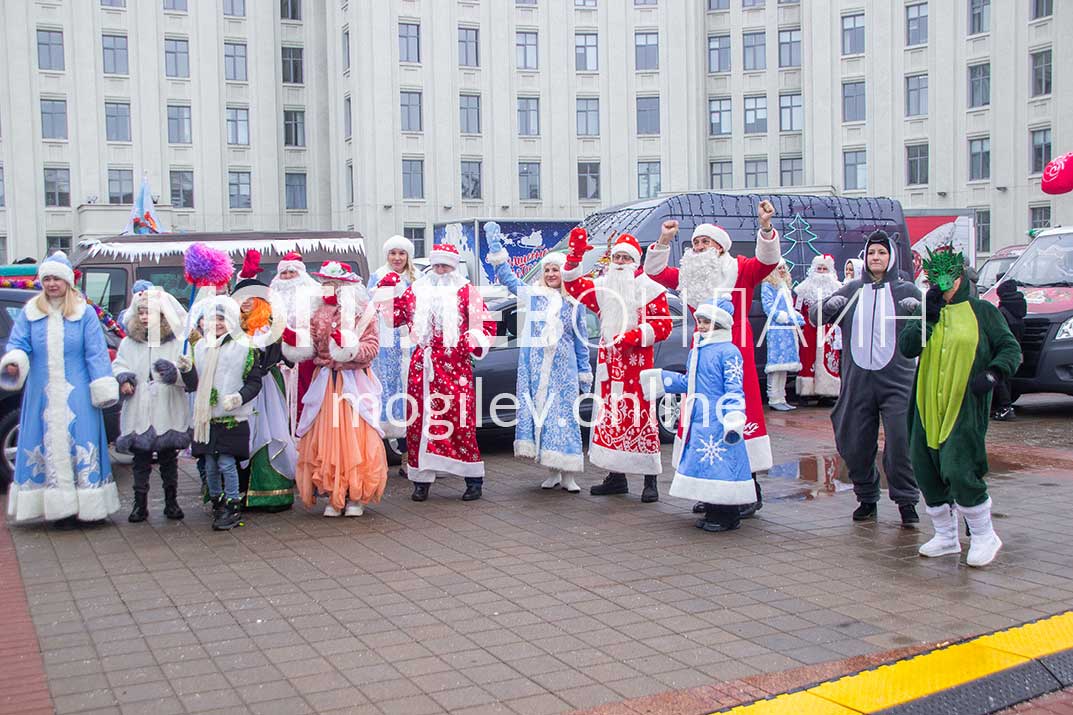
[392,362]
[781,336]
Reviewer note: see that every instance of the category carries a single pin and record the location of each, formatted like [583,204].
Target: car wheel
[668,412]
[9,445]
[394,452]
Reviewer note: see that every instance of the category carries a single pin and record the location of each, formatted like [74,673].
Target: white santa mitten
[231,402]
[733,426]
[652,384]
[584,382]
[782,317]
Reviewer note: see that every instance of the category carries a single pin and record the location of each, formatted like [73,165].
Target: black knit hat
[878,237]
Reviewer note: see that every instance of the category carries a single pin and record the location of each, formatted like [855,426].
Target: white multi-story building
[395,115]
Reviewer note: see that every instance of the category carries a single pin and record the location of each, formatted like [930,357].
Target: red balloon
[1058,175]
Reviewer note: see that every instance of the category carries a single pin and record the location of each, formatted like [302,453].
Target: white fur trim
[782,367]
[341,354]
[652,385]
[585,378]
[22,361]
[61,501]
[648,335]
[437,463]
[625,462]
[291,266]
[712,491]
[25,504]
[733,423]
[499,257]
[104,392]
[98,502]
[525,448]
[555,258]
[768,250]
[572,274]
[34,313]
[717,234]
[759,449]
[484,343]
[57,269]
[548,458]
[656,259]
[398,242]
[296,353]
[628,250]
[446,258]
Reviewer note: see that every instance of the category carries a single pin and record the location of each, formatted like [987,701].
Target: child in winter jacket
[154,415]
[225,377]
[1014,308]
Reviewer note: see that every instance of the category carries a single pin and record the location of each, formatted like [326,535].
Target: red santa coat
[819,374]
[441,433]
[624,436]
[750,273]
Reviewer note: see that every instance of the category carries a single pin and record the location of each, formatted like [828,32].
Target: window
[469,115]
[588,180]
[346,50]
[410,106]
[980,159]
[471,180]
[53,118]
[238,126]
[117,121]
[413,178]
[1041,149]
[721,175]
[57,187]
[755,173]
[409,42]
[756,115]
[719,116]
[115,54]
[468,54]
[350,183]
[916,164]
[853,102]
[791,113]
[182,189]
[586,55]
[525,2]
[235,8]
[292,65]
[790,48]
[120,186]
[752,3]
[979,16]
[525,45]
[646,51]
[347,118]
[854,170]
[1042,8]
[294,127]
[754,54]
[295,191]
[584,3]
[529,180]
[1040,216]
[916,24]
[176,5]
[719,53]
[416,235]
[176,57]
[290,9]
[235,61]
[718,5]
[648,115]
[916,95]
[50,50]
[853,34]
[113,3]
[58,243]
[648,179]
[238,189]
[588,117]
[179,125]
[791,171]
[528,116]
[983,230]
[980,85]
[1041,73]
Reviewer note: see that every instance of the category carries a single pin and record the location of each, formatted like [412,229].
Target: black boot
[420,491]
[909,514]
[229,518]
[172,510]
[169,475]
[650,493]
[614,483]
[140,512]
[719,518]
[700,507]
[749,510]
[865,512]
[217,507]
[473,492]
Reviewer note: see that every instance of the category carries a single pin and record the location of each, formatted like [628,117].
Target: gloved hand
[836,303]
[652,383]
[984,382]
[782,317]
[231,402]
[495,237]
[799,319]
[909,305]
[584,383]
[733,425]
[289,337]
[184,363]
[579,246]
[167,371]
[933,303]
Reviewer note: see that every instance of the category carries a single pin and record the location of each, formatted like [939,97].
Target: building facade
[391,116]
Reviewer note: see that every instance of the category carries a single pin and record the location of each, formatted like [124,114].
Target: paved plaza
[527,601]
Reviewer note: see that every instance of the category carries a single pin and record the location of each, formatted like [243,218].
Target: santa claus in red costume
[291,289]
[448,324]
[633,316]
[709,271]
[819,353]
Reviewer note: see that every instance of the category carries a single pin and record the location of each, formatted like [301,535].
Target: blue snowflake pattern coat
[781,336]
[391,364]
[551,374]
[707,467]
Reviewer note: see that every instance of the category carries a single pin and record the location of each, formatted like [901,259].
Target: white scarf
[202,398]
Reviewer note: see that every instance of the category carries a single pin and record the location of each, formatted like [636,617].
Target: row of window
[289,9]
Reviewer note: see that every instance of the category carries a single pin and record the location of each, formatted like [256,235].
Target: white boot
[984,544]
[354,509]
[331,510]
[945,521]
[570,484]
[552,481]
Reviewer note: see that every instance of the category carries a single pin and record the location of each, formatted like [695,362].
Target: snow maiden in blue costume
[58,356]
[553,367]
[783,323]
[710,459]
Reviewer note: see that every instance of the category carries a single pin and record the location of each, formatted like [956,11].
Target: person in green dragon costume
[965,347]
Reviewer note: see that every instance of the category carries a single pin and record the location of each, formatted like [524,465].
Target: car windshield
[1048,261]
[990,271]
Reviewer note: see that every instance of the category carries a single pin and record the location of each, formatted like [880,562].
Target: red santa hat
[627,244]
[337,271]
[824,259]
[710,230]
[400,243]
[444,254]
[292,261]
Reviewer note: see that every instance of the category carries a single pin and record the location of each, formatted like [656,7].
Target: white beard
[706,275]
[817,284]
[284,294]
[352,300]
[621,298]
[436,308]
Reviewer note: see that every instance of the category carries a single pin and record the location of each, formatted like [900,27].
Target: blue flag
[143,218]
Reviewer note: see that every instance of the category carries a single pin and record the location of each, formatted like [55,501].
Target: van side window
[107,287]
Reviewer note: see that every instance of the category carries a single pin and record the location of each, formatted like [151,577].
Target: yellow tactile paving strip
[914,678]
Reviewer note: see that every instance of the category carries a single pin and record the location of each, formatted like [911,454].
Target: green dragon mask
[943,267]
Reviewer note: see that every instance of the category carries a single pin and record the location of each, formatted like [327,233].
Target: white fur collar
[34,313]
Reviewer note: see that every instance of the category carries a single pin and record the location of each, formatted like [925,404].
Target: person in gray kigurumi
[876,379]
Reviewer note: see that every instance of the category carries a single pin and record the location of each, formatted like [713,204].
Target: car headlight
[1065,331]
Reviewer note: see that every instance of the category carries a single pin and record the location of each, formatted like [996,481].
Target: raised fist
[494,234]
[668,232]
[764,212]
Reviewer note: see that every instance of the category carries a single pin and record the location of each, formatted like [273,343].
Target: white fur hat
[401,243]
[58,266]
[444,254]
[554,258]
[720,312]
[291,261]
[824,259]
[715,233]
